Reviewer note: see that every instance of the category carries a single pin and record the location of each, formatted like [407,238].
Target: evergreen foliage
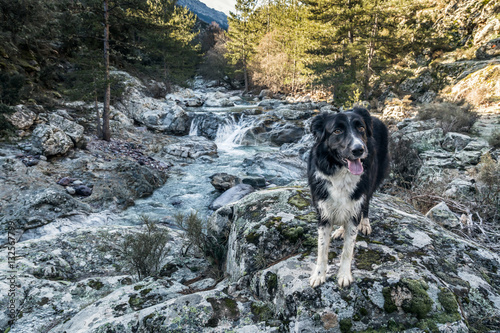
[242,38]
[353,48]
[53,44]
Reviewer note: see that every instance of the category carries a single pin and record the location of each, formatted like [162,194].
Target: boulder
[223,181]
[23,118]
[191,147]
[410,273]
[276,168]
[168,118]
[286,134]
[218,99]
[455,141]
[51,140]
[442,215]
[265,94]
[72,129]
[234,194]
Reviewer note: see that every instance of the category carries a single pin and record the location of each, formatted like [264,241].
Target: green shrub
[145,250]
[451,117]
[405,162]
[211,246]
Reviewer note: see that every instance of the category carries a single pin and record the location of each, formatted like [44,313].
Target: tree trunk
[371,54]
[106,132]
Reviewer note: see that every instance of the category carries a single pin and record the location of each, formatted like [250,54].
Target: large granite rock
[191,147]
[72,129]
[23,118]
[410,273]
[51,140]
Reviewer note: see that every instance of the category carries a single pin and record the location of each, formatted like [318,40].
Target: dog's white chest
[338,208]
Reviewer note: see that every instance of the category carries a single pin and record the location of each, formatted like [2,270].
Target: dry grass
[451,117]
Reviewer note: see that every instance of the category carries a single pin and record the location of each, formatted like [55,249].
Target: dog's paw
[344,280]
[365,226]
[339,233]
[317,279]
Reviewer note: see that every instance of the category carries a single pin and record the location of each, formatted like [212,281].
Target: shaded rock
[223,181]
[489,50]
[442,214]
[206,125]
[22,118]
[51,140]
[255,182]
[286,134]
[37,208]
[83,190]
[191,147]
[72,129]
[232,195]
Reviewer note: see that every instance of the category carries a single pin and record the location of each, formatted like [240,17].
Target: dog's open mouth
[354,166]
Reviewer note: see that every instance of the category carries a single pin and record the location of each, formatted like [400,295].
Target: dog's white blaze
[356,140]
[339,208]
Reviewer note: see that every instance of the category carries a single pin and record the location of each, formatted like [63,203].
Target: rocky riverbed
[70,202]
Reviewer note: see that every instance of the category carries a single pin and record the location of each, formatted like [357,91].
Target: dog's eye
[361,129]
[338,131]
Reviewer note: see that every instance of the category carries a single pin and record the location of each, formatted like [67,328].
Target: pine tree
[242,38]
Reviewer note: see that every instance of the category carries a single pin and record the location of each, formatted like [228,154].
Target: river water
[188,188]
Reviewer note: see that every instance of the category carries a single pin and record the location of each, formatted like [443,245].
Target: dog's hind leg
[344,275]
[364,226]
[339,233]
[319,274]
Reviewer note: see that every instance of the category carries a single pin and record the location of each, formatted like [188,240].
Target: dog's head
[344,136]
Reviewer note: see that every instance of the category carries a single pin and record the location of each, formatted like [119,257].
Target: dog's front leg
[319,275]
[344,275]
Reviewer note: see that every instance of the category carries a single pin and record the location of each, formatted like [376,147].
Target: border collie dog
[347,163]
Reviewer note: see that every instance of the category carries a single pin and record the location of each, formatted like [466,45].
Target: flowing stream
[189,189]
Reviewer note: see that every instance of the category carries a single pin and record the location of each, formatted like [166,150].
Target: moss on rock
[420,303]
[299,201]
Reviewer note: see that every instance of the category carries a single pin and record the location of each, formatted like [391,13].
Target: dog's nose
[357,151]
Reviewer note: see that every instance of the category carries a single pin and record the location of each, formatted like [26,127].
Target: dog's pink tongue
[355,167]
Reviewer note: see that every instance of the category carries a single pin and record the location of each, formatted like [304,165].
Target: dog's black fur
[347,163]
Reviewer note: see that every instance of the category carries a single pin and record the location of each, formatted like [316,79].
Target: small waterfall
[193,130]
[232,132]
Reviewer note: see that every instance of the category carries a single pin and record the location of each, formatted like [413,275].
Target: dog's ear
[367,119]
[318,126]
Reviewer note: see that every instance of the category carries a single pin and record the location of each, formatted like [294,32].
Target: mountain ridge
[205,13]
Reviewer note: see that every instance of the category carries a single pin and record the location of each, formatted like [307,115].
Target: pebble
[70,190]
[65,181]
[83,190]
